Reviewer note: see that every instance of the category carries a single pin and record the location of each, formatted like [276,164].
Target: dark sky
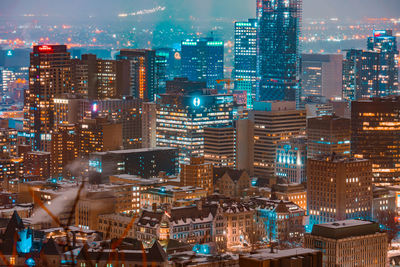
[236,9]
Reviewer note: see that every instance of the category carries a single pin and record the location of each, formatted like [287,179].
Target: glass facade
[245,73]
[279,49]
[181,119]
[203,60]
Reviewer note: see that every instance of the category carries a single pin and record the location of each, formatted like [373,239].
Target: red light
[45,48]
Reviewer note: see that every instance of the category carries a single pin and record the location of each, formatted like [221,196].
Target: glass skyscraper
[245,73]
[372,73]
[182,117]
[203,60]
[385,44]
[279,49]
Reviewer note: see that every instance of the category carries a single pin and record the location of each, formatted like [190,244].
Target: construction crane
[228,83]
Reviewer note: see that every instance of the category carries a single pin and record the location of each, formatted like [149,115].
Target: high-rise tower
[49,77]
[279,49]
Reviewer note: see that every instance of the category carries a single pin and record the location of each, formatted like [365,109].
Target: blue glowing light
[24,244]
[30,262]
[9,53]
[201,248]
[196,101]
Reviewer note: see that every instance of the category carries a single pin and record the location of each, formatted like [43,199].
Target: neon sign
[196,101]
[94,107]
[45,48]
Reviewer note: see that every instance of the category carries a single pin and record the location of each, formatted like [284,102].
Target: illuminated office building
[142,72]
[279,33]
[99,78]
[349,243]
[127,111]
[49,77]
[98,135]
[385,44]
[273,122]
[327,135]
[144,162]
[291,157]
[198,174]
[37,163]
[321,75]
[372,73]
[375,135]
[182,117]
[173,61]
[360,74]
[220,146]
[338,188]
[245,72]
[203,60]
[64,149]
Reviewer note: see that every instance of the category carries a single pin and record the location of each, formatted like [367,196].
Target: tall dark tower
[49,77]
[278,42]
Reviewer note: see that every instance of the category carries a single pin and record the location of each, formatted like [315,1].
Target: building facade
[338,188]
[349,242]
[245,69]
[278,38]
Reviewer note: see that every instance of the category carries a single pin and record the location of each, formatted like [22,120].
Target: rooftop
[345,229]
[265,254]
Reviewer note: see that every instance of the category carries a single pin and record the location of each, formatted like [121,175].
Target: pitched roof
[233,173]
[150,217]
[50,248]
[14,225]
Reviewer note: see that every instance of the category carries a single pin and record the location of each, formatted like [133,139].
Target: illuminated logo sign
[379,33]
[9,53]
[196,101]
[94,107]
[45,48]
[177,56]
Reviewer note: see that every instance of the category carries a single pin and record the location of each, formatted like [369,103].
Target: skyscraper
[203,60]
[49,77]
[375,135]
[182,117]
[245,72]
[273,122]
[360,74]
[143,72]
[321,75]
[279,49]
[338,188]
[327,135]
[220,145]
[372,73]
[99,78]
[385,44]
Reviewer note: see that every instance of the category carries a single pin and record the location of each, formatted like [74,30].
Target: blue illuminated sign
[196,101]
[9,53]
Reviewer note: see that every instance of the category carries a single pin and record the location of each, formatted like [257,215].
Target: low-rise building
[201,223]
[283,221]
[169,194]
[299,257]
[349,243]
[230,182]
[291,192]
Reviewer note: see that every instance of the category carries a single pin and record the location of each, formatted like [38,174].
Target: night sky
[235,9]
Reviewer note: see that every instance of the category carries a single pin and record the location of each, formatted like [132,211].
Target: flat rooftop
[138,150]
[345,229]
[265,254]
